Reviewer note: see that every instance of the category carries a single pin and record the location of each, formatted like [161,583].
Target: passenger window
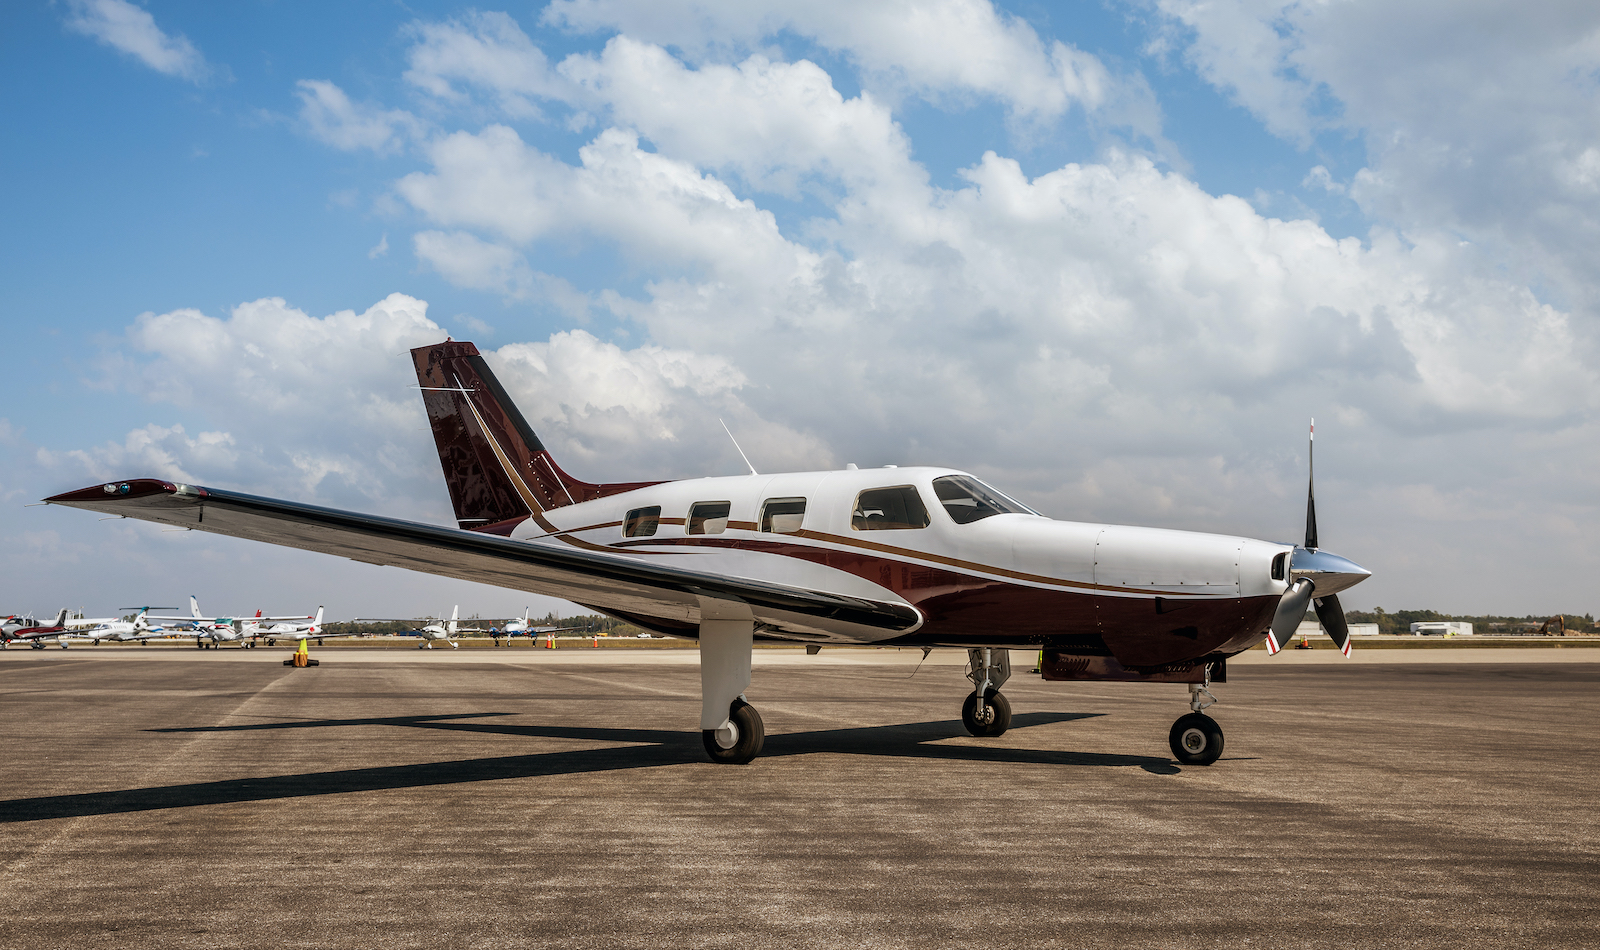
[708,517]
[783,515]
[886,509]
[641,522]
[967,500]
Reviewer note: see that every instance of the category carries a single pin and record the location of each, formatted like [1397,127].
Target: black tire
[1196,739]
[998,710]
[752,735]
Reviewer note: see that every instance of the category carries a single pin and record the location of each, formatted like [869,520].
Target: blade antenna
[735,442]
[1311,488]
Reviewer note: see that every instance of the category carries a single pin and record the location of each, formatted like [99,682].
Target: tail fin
[194,606]
[316,625]
[61,618]
[497,470]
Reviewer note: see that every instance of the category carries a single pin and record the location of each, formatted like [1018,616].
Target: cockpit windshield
[968,500]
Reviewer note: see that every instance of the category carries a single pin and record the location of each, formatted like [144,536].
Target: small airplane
[218,630]
[522,628]
[137,630]
[35,634]
[445,630]
[920,557]
[292,628]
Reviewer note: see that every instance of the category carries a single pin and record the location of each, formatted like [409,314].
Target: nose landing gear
[1196,739]
[986,713]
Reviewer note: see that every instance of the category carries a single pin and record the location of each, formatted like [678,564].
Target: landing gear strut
[1196,739]
[987,713]
[730,727]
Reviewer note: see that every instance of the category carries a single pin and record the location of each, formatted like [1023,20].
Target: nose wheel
[1196,739]
[738,740]
[994,718]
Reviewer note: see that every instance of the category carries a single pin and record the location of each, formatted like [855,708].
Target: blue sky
[1404,258]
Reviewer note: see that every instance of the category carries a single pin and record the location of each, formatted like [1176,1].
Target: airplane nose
[1328,571]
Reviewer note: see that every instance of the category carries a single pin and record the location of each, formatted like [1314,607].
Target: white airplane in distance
[920,557]
[522,628]
[445,630]
[218,630]
[139,629]
[290,629]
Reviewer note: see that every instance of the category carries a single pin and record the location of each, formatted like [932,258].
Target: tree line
[1400,621]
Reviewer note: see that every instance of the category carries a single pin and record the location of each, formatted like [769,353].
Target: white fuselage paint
[1021,549]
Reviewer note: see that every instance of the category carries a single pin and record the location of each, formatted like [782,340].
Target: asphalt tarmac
[169,798]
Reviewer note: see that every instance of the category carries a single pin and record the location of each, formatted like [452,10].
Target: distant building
[1441,628]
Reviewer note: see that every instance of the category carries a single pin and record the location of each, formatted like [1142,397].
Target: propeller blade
[1311,489]
[1331,615]
[1291,610]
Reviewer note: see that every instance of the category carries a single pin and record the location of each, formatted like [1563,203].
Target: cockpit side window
[641,522]
[783,515]
[887,509]
[967,500]
[708,517]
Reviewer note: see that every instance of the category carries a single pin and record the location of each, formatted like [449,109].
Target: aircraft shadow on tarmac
[648,748]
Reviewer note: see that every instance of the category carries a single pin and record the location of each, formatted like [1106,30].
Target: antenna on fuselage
[735,442]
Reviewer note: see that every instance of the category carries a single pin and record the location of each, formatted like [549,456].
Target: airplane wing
[618,583]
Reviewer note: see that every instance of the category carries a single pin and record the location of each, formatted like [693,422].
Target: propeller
[1335,572]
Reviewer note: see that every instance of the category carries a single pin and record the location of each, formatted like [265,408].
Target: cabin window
[708,517]
[642,522]
[967,500]
[888,509]
[783,515]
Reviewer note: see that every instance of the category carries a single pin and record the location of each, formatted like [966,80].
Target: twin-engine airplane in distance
[445,630]
[924,557]
[220,630]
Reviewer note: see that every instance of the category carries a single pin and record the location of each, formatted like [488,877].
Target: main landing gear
[1196,739]
[986,712]
[731,728]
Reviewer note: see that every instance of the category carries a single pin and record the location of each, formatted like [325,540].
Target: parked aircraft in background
[213,631]
[138,629]
[522,628]
[288,630]
[891,556]
[35,634]
[445,630]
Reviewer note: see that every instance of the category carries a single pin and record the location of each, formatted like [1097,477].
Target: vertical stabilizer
[497,470]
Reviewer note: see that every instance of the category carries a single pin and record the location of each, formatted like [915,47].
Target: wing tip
[116,490]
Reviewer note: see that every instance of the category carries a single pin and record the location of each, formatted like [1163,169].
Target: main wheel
[1196,739]
[739,741]
[996,714]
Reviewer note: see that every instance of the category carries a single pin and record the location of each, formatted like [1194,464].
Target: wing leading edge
[612,582]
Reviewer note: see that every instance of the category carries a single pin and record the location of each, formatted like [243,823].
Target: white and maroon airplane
[891,556]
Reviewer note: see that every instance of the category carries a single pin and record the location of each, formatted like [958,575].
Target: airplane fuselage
[1007,579]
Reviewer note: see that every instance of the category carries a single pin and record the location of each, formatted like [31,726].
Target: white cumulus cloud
[131,29]
[331,116]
